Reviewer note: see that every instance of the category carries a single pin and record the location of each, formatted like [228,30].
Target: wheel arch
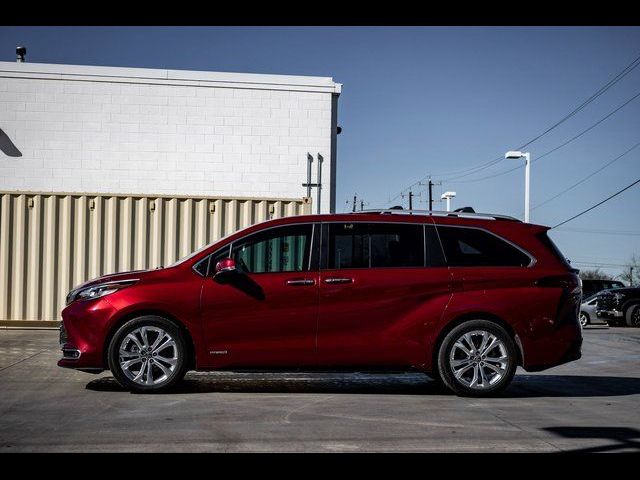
[191,350]
[480,315]
[630,304]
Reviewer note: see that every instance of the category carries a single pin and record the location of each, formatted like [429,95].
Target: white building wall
[143,131]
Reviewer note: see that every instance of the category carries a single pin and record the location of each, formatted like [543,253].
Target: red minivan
[462,297]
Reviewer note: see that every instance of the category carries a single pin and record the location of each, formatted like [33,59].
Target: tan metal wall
[51,242]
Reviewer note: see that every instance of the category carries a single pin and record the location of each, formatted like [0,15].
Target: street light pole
[448,196]
[527,178]
[527,185]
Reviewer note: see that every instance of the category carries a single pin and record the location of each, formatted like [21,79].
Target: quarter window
[471,247]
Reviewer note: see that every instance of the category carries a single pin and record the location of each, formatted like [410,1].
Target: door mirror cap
[226,265]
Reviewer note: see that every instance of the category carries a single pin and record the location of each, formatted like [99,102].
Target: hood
[624,290]
[133,274]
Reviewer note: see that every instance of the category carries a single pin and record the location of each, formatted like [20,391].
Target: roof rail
[442,214]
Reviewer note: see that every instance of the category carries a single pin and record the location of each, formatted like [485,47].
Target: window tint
[202,266]
[470,247]
[396,245]
[607,285]
[435,255]
[348,245]
[281,249]
[376,245]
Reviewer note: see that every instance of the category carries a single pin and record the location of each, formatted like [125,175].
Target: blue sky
[428,100]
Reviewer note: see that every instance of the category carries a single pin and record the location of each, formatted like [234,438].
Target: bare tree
[595,274]
[631,273]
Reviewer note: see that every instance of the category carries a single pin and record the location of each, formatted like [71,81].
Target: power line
[587,264]
[598,204]
[549,152]
[603,89]
[474,169]
[586,178]
[603,232]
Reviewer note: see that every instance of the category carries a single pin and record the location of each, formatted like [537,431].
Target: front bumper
[613,314]
[69,352]
[83,330]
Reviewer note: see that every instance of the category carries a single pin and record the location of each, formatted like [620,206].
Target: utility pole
[361,205]
[430,185]
[354,203]
[631,276]
[410,200]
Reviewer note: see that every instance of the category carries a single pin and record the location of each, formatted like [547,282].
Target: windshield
[203,248]
[191,255]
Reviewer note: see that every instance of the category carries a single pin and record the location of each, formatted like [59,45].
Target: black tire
[180,353]
[632,316]
[457,385]
[586,320]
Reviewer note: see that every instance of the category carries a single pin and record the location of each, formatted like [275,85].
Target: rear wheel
[477,358]
[148,354]
[632,316]
[584,319]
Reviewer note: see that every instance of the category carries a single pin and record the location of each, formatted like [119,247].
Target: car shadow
[619,438]
[294,382]
[523,386]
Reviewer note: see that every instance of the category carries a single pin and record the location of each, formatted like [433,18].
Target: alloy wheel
[584,321]
[148,355]
[479,359]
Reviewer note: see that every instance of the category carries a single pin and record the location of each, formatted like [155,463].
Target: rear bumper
[556,341]
[573,352]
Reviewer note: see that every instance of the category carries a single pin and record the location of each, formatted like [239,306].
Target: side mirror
[225,268]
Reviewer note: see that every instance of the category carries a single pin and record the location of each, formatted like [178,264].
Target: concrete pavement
[589,405]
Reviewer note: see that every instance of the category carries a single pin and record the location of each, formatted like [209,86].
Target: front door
[264,316]
[380,285]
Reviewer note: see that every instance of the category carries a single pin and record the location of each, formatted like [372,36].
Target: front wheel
[632,316]
[477,358]
[148,354]
[584,319]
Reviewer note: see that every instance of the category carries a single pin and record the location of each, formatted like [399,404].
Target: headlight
[97,291]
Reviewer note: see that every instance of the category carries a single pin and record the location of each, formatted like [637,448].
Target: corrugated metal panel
[51,242]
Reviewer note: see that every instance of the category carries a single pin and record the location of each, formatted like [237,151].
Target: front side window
[374,245]
[472,247]
[280,249]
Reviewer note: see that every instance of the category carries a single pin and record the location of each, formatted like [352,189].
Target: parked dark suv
[463,297]
[619,306]
[592,286]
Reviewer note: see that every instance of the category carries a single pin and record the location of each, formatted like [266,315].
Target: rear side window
[472,247]
[374,245]
[552,247]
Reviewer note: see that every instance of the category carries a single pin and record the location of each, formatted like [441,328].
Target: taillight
[569,302]
[569,282]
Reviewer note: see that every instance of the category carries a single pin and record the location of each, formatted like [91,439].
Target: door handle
[338,280]
[301,282]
